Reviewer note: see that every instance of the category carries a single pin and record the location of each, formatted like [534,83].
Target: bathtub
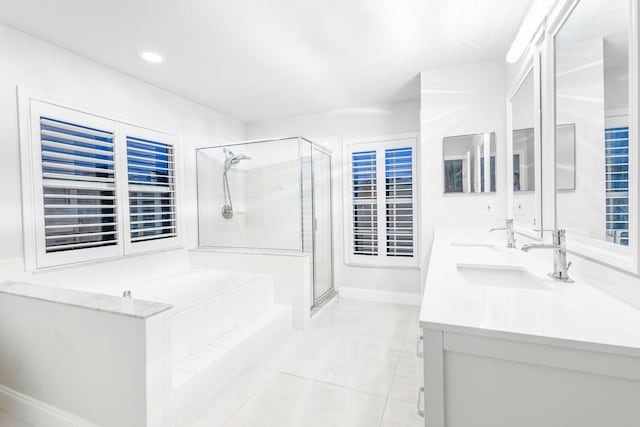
[220,321]
[186,289]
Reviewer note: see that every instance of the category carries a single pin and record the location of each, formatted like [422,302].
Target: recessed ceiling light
[151,57]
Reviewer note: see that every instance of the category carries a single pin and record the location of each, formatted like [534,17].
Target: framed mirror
[592,117]
[566,157]
[464,163]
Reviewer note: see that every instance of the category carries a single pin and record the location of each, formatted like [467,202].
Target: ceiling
[259,59]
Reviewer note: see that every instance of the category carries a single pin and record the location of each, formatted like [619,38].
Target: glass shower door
[322,229]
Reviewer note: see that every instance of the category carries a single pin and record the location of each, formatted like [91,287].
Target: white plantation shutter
[399,201]
[152,191]
[76,195]
[365,203]
[382,203]
[81,169]
[617,184]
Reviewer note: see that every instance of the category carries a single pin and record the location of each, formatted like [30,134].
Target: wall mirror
[566,157]
[524,150]
[464,163]
[592,124]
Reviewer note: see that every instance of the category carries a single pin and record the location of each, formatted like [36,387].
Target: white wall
[48,71]
[273,206]
[213,228]
[460,100]
[330,129]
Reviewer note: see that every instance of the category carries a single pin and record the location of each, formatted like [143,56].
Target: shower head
[232,159]
[236,159]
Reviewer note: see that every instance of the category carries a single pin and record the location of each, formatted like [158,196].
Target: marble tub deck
[88,300]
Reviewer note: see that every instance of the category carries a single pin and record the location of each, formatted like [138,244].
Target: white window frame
[379,144]
[31,107]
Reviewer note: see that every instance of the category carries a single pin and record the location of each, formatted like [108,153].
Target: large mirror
[566,157]
[464,163]
[523,137]
[592,119]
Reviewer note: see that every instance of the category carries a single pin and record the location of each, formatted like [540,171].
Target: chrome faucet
[560,265]
[126,294]
[511,235]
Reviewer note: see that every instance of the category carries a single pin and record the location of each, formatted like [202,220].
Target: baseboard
[380,296]
[36,413]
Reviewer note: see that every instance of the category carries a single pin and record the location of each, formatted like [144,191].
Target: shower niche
[269,196]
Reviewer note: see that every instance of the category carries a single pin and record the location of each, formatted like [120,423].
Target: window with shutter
[381,200]
[78,169]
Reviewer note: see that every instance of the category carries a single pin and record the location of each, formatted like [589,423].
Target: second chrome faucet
[511,236]
[560,265]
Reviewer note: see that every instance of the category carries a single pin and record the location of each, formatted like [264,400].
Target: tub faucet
[511,236]
[126,294]
[560,265]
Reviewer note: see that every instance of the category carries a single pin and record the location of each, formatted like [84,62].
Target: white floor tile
[384,322]
[7,420]
[408,378]
[288,400]
[411,336]
[344,359]
[398,413]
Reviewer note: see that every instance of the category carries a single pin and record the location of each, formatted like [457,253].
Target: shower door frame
[320,300]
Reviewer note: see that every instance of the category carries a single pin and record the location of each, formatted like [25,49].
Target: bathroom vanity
[505,345]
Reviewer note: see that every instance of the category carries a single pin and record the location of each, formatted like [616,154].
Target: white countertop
[575,314]
[88,300]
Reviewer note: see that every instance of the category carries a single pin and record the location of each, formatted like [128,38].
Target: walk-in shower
[278,200]
[231,159]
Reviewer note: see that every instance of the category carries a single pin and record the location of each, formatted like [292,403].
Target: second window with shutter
[381,200]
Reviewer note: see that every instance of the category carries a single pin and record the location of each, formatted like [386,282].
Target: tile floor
[355,366]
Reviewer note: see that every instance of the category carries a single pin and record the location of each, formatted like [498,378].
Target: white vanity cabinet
[476,379]
[498,353]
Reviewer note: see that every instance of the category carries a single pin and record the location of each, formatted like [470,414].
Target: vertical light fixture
[530,24]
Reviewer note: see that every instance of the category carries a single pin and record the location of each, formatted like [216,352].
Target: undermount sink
[500,276]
